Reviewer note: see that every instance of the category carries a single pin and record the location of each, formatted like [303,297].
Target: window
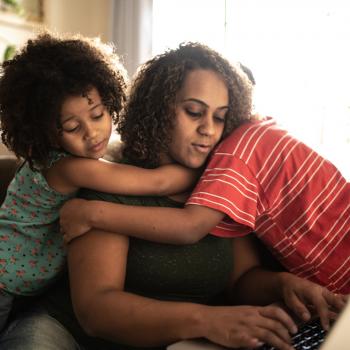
[296,49]
[18,20]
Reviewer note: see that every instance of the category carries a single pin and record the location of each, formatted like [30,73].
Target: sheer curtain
[131,28]
[131,32]
[296,49]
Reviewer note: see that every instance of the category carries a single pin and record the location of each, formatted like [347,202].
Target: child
[58,98]
[261,179]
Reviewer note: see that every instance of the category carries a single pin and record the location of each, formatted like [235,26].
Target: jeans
[36,330]
[5,307]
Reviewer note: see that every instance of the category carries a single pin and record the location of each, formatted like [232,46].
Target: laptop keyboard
[309,337]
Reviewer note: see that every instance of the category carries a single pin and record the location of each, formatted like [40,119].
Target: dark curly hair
[146,125]
[34,84]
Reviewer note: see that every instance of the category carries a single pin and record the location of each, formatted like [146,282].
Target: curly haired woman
[58,99]
[140,294]
[166,78]
[151,109]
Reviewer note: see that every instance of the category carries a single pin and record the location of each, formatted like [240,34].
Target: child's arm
[166,225]
[72,173]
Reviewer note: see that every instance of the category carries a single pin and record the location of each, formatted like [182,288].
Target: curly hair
[146,124]
[35,83]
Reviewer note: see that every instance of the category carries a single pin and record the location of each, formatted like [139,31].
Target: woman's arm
[97,265]
[301,296]
[72,173]
[166,225]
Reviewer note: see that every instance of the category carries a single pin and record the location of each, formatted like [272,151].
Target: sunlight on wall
[296,49]
[183,20]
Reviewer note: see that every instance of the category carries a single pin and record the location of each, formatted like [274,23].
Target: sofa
[8,166]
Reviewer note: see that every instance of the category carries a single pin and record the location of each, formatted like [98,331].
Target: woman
[145,294]
[195,97]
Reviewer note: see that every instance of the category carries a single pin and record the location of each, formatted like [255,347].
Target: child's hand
[305,298]
[74,219]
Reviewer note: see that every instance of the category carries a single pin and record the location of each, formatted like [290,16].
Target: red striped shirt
[298,203]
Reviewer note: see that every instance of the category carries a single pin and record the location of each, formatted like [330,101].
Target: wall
[88,17]
[14,30]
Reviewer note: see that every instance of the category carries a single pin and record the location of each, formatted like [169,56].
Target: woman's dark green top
[195,273]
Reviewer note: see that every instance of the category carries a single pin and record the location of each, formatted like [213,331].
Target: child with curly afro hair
[59,97]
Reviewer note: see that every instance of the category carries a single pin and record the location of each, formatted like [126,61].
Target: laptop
[339,336]
[310,336]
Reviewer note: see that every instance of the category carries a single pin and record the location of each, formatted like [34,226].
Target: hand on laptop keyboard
[309,337]
[305,298]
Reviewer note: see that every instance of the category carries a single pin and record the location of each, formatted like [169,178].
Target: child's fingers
[328,305]
[322,309]
[336,301]
[345,297]
[298,307]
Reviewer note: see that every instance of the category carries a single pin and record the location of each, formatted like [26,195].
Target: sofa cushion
[8,166]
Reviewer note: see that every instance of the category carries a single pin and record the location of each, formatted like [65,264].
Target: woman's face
[201,106]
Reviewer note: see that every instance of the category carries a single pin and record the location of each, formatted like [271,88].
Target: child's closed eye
[71,130]
[98,116]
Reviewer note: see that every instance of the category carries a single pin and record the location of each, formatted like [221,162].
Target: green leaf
[9,52]
[13,3]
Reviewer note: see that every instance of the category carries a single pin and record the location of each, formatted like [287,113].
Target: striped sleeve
[228,186]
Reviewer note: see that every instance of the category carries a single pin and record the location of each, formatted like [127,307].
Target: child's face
[201,107]
[86,125]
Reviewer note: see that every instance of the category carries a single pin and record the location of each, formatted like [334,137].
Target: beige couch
[8,166]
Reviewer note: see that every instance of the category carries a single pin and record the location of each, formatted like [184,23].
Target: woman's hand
[306,298]
[249,326]
[74,219]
